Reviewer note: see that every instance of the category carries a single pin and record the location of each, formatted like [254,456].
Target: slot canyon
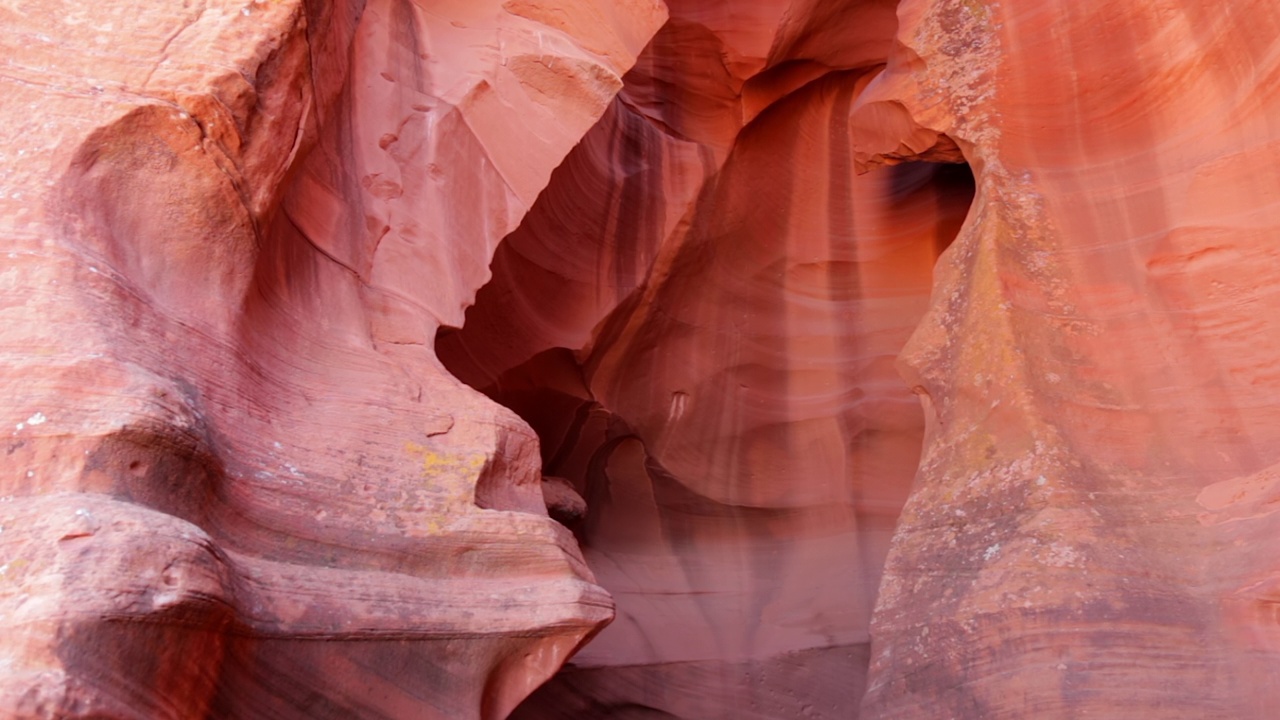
[639,359]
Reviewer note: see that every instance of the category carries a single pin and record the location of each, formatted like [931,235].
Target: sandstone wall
[365,358]
[236,482]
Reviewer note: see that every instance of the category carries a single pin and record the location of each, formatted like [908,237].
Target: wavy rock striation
[1088,533]
[236,481]
[715,373]
[837,432]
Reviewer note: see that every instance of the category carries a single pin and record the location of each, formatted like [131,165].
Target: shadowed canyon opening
[700,318]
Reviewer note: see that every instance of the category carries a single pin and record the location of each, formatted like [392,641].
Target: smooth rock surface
[699,317]
[236,481]
[1087,536]
[840,431]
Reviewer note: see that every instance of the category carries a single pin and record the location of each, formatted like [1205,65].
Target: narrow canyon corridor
[639,359]
[703,333]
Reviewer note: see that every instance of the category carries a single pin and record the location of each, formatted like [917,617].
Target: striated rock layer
[236,482]
[1089,526]
[1092,528]
[699,317]
[247,472]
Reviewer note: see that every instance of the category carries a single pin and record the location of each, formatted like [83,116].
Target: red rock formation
[735,297]
[236,482]
[1089,534]
[1089,527]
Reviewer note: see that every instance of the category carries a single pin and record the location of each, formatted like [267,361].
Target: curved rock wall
[236,481]
[1089,533]
[1088,529]
[699,317]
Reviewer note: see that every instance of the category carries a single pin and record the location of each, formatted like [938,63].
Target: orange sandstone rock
[236,481]
[1097,365]
[699,317]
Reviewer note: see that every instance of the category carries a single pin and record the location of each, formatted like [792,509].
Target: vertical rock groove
[699,317]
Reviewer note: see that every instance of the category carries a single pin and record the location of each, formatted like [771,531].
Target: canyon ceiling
[563,359]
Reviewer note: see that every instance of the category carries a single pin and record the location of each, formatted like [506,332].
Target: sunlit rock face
[236,481]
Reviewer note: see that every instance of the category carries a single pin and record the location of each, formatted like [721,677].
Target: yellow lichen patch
[451,477]
[13,569]
[977,8]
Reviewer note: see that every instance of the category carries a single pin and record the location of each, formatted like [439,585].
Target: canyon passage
[562,359]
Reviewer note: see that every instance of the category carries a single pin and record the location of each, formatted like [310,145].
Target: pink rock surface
[1090,533]
[699,317]
[1089,525]
[247,472]
[236,481]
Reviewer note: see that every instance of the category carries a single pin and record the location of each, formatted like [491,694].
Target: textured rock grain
[911,443]
[1097,365]
[237,483]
